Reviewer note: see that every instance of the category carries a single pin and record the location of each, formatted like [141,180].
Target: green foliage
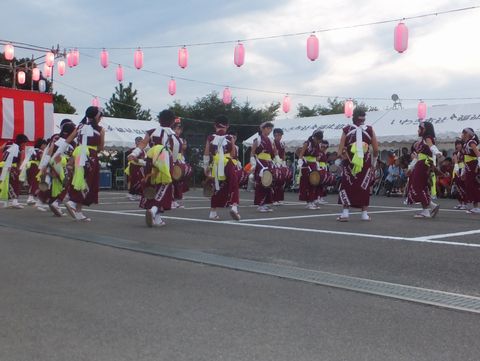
[334,106]
[62,105]
[198,118]
[124,104]
[6,73]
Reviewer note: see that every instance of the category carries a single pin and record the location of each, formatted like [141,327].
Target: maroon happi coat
[472,187]
[418,190]
[308,192]
[354,190]
[14,181]
[263,195]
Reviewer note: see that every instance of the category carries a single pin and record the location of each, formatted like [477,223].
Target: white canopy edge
[394,128]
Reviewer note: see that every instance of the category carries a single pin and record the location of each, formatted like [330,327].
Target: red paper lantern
[76,57]
[119,73]
[312,47]
[95,102]
[70,59]
[172,87]
[138,58]
[239,55]
[9,52]
[183,57]
[61,67]
[400,38]
[422,110]
[49,59]
[104,58]
[348,108]
[286,104]
[21,77]
[36,74]
[227,96]
[47,71]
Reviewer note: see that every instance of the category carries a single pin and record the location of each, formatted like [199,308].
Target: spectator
[393,179]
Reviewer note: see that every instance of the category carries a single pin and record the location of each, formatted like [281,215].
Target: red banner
[27,112]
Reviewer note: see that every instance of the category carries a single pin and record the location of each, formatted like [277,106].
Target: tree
[62,105]
[124,104]
[334,106]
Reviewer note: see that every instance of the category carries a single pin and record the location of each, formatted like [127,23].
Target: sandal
[235,215]
[342,219]
[435,210]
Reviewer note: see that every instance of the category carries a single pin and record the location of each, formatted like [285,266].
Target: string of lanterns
[400,44]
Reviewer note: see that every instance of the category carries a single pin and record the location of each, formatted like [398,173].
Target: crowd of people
[65,169]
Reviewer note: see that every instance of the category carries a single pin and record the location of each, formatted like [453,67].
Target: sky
[442,60]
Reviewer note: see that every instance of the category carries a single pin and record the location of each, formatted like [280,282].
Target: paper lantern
[42,85]
[9,52]
[104,58]
[422,110]
[61,67]
[35,74]
[286,104]
[49,59]
[95,102]
[47,71]
[70,59]
[400,38]
[183,57]
[138,58]
[119,73]
[21,77]
[172,87]
[312,47]
[76,57]
[348,108]
[227,96]
[239,55]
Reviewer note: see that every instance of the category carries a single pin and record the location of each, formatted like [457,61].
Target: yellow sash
[216,159]
[469,158]
[310,158]
[264,156]
[160,161]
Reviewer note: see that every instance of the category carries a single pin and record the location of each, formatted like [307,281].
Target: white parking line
[309,230]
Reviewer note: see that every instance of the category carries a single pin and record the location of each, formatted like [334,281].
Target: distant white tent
[394,128]
[119,133]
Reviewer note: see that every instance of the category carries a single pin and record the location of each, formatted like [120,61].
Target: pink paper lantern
[183,57]
[21,77]
[172,87]
[422,110]
[61,67]
[104,58]
[76,57]
[49,59]
[95,102]
[227,96]
[35,74]
[312,47]
[400,38]
[286,104]
[47,71]
[119,73]
[138,59]
[348,108]
[70,59]
[9,52]
[239,55]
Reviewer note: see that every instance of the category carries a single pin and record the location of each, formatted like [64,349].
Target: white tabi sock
[213,214]
[345,213]
[234,208]
[364,215]
[14,202]
[154,210]
[432,205]
[426,212]
[158,219]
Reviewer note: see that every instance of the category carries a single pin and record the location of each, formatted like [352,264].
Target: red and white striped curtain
[27,112]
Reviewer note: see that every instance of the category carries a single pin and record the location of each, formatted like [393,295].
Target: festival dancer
[135,173]
[308,163]
[422,177]
[471,174]
[157,193]
[327,178]
[180,186]
[262,153]
[56,168]
[219,166]
[9,176]
[358,172]
[86,174]
[458,170]
[281,165]
[29,172]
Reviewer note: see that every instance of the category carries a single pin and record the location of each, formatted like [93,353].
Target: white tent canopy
[119,133]
[394,128]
